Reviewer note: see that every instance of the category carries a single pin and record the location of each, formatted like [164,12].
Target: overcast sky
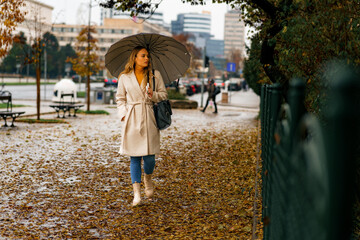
[76,11]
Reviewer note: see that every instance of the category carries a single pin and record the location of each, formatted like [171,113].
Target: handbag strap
[153,72]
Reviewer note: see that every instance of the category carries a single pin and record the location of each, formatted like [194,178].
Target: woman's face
[142,58]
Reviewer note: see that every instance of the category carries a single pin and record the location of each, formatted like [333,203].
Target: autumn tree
[253,73]
[236,57]
[11,16]
[86,62]
[193,50]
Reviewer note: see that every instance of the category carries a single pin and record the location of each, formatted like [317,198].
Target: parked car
[188,85]
[234,84]
[219,83]
[175,86]
[110,82]
[83,79]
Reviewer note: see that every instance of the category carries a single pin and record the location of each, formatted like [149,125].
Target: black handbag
[216,91]
[162,112]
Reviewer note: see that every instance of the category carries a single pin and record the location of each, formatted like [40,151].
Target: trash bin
[109,96]
[224,97]
[99,95]
[103,95]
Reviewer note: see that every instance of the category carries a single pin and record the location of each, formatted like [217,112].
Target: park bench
[66,106]
[5,97]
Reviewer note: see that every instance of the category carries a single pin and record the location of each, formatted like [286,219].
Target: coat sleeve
[160,92]
[121,98]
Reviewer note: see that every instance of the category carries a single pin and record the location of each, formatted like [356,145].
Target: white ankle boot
[137,196]
[149,186]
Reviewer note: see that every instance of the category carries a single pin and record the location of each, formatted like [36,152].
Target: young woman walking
[140,137]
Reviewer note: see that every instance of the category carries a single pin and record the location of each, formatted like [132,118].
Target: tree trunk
[88,92]
[38,76]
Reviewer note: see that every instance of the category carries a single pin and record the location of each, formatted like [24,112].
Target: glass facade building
[197,25]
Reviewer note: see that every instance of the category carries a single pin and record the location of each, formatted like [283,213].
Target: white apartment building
[156,18]
[38,18]
[234,33]
[107,34]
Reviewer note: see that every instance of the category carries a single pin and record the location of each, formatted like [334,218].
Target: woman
[140,137]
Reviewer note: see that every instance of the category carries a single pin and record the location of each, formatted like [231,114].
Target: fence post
[296,103]
[343,117]
[272,104]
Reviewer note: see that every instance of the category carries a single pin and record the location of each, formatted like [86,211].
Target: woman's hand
[150,92]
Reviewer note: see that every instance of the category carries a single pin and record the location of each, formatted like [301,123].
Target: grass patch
[94,112]
[31,120]
[29,83]
[4,105]
[173,95]
[80,94]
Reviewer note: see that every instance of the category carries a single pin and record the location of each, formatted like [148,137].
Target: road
[28,92]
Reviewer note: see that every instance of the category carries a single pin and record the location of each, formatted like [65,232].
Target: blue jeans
[135,167]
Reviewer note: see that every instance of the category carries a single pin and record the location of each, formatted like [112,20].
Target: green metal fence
[308,165]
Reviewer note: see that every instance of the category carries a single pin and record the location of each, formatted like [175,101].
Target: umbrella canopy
[167,55]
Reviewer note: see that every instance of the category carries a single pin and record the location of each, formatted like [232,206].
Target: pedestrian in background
[140,137]
[211,95]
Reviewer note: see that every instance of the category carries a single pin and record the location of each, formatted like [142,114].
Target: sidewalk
[68,180]
[240,99]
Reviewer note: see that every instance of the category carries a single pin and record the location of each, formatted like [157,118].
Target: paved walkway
[66,181]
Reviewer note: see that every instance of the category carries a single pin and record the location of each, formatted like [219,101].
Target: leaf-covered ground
[67,181]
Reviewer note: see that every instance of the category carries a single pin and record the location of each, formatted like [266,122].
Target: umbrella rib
[163,66]
[115,58]
[174,65]
[181,59]
[178,71]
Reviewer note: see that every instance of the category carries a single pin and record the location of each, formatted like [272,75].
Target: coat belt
[143,114]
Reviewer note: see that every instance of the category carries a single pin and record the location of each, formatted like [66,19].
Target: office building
[215,48]
[234,34]
[215,52]
[196,25]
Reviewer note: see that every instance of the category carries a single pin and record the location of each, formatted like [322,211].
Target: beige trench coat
[140,136]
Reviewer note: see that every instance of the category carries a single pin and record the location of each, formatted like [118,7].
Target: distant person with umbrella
[140,136]
[134,59]
[211,95]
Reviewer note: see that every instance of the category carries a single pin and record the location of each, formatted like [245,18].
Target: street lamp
[67,69]
[18,65]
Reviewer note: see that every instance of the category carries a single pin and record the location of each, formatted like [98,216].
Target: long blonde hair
[130,65]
